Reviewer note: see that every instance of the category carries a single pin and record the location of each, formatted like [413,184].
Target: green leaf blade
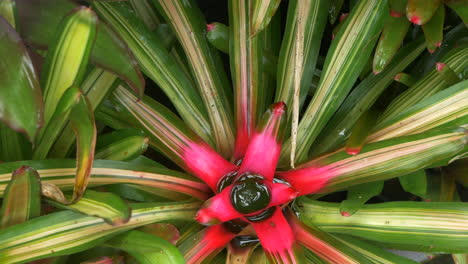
[21,105]
[22,198]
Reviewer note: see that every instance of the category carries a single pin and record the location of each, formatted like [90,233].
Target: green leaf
[312,15]
[358,195]
[13,145]
[166,131]
[107,206]
[146,248]
[346,57]
[262,12]
[324,245]
[68,232]
[22,198]
[250,83]
[218,36]
[20,97]
[420,12]
[74,107]
[62,174]
[372,252]
[141,193]
[334,10]
[405,79]
[362,98]
[304,29]
[146,12]
[239,253]
[415,183]
[67,57]
[51,131]
[392,36]
[460,7]
[188,23]
[8,12]
[437,225]
[121,145]
[434,29]
[157,63]
[445,107]
[361,130]
[109,51]
[97,85]
[389,158]
[432,83]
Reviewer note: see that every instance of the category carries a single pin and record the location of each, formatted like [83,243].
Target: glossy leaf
[105,205]
[420,12]
[262,12]
[171,136]
[436,225]
[218,36]
[433,30]
[415,183]
[360,131]
[25,242]
[392,36]
[358,195]
[22,198]
[109,51]
[238,253]
[405,79]
[67,58]
[346,57]
[146,248]
[362,98]
[157,63]
[444,107]
[430,84]
[188,24]
[377,161]
[97,85]
[8,12]
[397,7]
[62,174]
[121,145]
[20,97]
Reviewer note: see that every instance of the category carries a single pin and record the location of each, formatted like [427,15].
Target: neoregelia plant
[316,107]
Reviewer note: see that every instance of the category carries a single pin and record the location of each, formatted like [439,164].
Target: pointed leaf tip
[210,27]
[265,143]
[205,163]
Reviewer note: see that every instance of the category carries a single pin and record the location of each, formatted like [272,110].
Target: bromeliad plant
[76,187]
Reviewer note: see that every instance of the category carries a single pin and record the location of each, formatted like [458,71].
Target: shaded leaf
[22,198]
[20,97]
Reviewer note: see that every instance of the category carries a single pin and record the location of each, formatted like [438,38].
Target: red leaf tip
[397,77]
[345,214]
[415,20]
[353,151]
[343,16]
[396,14]
[440,66]
[279,108]
[210,27]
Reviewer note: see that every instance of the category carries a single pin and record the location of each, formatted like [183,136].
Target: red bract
[253,196]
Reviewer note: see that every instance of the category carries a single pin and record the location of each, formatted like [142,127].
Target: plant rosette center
[249,194]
